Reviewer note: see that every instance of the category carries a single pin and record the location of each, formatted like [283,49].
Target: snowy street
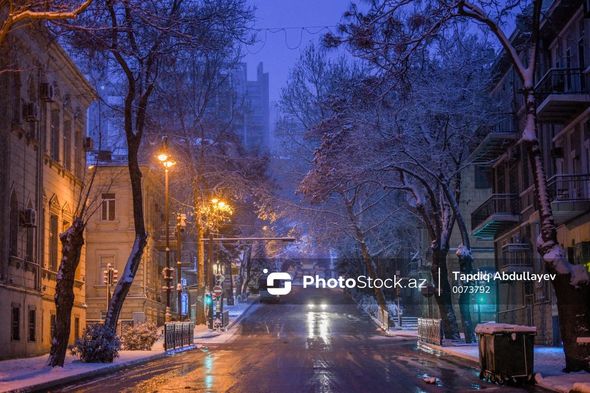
[293,347]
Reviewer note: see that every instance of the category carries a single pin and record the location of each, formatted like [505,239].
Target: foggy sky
[272,48]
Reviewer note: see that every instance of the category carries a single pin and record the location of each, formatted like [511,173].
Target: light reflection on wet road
[291,347]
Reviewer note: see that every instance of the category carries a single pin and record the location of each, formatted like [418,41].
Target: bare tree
[13,13]
[392,32]
[138,40]
[72,240]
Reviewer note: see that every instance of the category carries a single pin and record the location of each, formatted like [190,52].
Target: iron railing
[562,81]
[565,187]
[178,335]
[516,255]
[497,203]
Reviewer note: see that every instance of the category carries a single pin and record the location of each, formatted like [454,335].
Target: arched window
[30,247]
[14,216]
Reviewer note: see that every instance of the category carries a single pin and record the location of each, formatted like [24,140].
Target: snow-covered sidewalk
[236,312]
[33,374]
[549,362]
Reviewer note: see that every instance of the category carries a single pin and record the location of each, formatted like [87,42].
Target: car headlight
[311,305]
[324,306]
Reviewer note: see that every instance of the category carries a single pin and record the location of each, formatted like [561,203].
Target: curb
[229,325]
[435,348]
[88,374]
[242,315]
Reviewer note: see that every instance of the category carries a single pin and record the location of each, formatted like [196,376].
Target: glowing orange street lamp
[164,158]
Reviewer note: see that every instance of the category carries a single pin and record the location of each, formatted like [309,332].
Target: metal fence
[178,335]
[430,331]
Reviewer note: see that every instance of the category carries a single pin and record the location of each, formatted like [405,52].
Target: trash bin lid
[493,328]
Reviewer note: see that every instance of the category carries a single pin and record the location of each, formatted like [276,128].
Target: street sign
[217,291]
[220,278]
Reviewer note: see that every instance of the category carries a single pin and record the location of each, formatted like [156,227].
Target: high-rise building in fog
[252,102]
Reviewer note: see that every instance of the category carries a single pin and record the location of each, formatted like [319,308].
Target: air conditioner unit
[31,112]
[29,218]
[46,92]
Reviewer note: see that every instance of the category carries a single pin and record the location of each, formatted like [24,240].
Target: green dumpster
[506,352]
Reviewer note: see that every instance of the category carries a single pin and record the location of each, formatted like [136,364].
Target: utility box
[506,352]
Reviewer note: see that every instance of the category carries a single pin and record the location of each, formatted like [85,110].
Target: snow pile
[140,337]
[556,258]
[581,387]
[493,328]
[463,252]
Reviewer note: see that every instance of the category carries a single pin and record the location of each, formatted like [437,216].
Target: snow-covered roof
[492,328]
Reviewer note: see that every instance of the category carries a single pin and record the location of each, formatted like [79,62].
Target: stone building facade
[110,236]
[42,166]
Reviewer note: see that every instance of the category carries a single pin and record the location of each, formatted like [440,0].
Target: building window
[68,144]
[15,323]
[14,216]
[53,238]
[54,129]
[30,244]
[78,154]
[76,328]
[108,207]
[32,324]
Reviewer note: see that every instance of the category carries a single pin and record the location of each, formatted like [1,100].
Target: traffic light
[208,299]
[105,277]
[115,276]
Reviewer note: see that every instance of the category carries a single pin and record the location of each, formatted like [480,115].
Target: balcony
[497,139]
[497,213]
[562,94]
[569,195]
[516,257]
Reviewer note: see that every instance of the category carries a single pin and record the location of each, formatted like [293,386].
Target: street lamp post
[164,158]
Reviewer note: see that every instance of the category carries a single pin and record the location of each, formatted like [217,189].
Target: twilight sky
[273,46]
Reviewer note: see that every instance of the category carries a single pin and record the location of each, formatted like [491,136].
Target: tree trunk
[465,258]
[466,266]
[442,294]
[371,272]
[247,270]
[571,285]
[134,259]
[72,241]
[200,317]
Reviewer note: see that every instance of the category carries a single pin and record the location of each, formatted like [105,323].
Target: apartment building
[509,216]
[42,166]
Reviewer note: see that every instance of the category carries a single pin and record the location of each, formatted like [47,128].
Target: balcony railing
[516,257]
[496,204]
[565,187]
[562,81]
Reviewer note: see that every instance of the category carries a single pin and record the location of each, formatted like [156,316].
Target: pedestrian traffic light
[208,299]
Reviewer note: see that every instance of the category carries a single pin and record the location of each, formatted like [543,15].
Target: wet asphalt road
[290,347]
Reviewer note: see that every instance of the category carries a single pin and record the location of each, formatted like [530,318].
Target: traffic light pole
[110,277]
[179,263]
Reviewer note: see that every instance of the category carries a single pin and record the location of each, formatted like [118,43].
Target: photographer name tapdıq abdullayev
[503,276]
